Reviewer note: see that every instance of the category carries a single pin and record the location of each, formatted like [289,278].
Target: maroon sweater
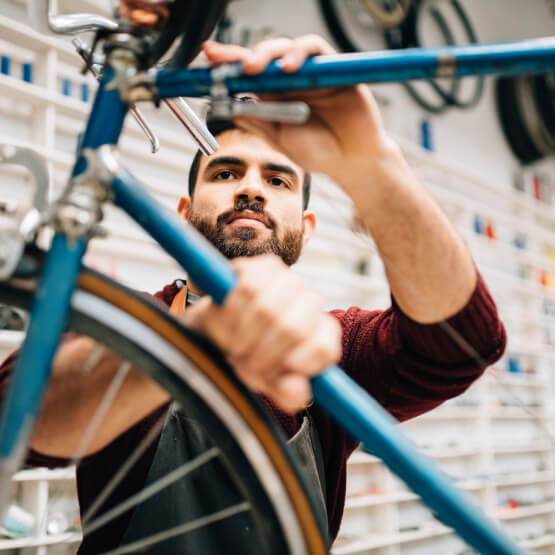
[407,367]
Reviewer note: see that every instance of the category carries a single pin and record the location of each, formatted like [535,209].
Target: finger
[259,313]
[206,318]
[264,52]
[218,53]
[322,350]
[298,320]
[303,48]
[291,392]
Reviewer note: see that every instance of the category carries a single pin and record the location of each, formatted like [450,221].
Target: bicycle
[73,297]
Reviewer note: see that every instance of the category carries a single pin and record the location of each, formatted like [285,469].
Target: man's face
[248,199]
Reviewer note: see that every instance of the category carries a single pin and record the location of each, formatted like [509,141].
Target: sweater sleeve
[411,368]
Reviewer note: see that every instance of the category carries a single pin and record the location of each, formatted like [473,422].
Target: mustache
[240,206]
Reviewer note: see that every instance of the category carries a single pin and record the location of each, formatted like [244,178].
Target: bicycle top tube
[528,56]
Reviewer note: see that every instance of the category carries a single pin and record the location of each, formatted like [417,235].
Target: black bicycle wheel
[513,125]
[253,450]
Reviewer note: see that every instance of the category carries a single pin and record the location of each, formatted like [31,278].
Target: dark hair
[219,126]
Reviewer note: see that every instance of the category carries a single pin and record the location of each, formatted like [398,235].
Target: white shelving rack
[496,441]
[498,451]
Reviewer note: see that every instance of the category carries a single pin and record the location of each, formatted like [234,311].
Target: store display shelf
[451,452]
[521,286]
[449,413]
[515,413]
[33,474]
[40,96]
[127,250]
[480,243]
[533,478]
[366,500]
[533,447]
[517,380]
[536,543]
[525,512]
[518,198]
[19,33]
[18,543]
[360,457]
[536,231]
[376,541]
[354,501]
[354,281]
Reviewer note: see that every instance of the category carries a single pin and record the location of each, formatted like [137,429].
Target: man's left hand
[344,127]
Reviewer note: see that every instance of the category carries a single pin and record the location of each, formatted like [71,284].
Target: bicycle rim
[194,373]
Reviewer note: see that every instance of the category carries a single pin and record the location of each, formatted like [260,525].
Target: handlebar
[41,18]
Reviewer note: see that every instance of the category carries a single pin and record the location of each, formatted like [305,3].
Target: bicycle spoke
[124,469]
[92,360]
[101,411]
[179,530]
[152,489]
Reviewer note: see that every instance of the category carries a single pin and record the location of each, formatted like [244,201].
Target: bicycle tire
[388,18]
[512,123]
[194,372]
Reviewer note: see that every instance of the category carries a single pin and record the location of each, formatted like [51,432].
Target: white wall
[473,138]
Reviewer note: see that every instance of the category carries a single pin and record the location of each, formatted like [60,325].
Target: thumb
[195,315]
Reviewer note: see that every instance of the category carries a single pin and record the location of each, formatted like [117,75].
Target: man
[249,199]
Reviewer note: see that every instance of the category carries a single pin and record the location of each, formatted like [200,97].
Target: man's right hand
[272,329]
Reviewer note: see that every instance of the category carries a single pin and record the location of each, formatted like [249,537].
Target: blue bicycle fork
[50,307]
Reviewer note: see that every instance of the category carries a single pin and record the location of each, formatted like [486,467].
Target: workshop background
[490,165]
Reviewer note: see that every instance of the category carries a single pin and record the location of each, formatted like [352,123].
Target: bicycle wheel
[251,447]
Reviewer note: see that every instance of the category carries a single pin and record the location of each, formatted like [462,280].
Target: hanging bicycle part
[18,224]
[408,36]
[526,110]
[388,13]
[347,23]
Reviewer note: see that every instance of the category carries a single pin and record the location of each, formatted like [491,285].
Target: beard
[233,242]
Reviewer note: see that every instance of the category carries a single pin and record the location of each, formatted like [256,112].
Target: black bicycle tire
[383,17]
[544,96]
[209,360]
[512,124]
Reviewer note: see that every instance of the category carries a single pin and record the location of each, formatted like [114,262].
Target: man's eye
[278,182]
[224,175]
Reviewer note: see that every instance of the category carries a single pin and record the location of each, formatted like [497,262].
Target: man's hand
[272,329]
[345,125]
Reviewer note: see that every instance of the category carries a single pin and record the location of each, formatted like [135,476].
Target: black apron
[207,490]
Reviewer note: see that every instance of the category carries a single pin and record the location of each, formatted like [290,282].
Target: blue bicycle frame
[362,417]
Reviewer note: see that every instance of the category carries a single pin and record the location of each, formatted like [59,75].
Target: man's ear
[309,225]
[184,207]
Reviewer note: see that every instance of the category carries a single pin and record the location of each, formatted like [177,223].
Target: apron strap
[179,301]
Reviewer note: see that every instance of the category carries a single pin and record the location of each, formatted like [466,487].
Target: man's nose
[250,189]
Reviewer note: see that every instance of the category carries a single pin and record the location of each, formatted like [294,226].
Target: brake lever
[95,62]
[194,125]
